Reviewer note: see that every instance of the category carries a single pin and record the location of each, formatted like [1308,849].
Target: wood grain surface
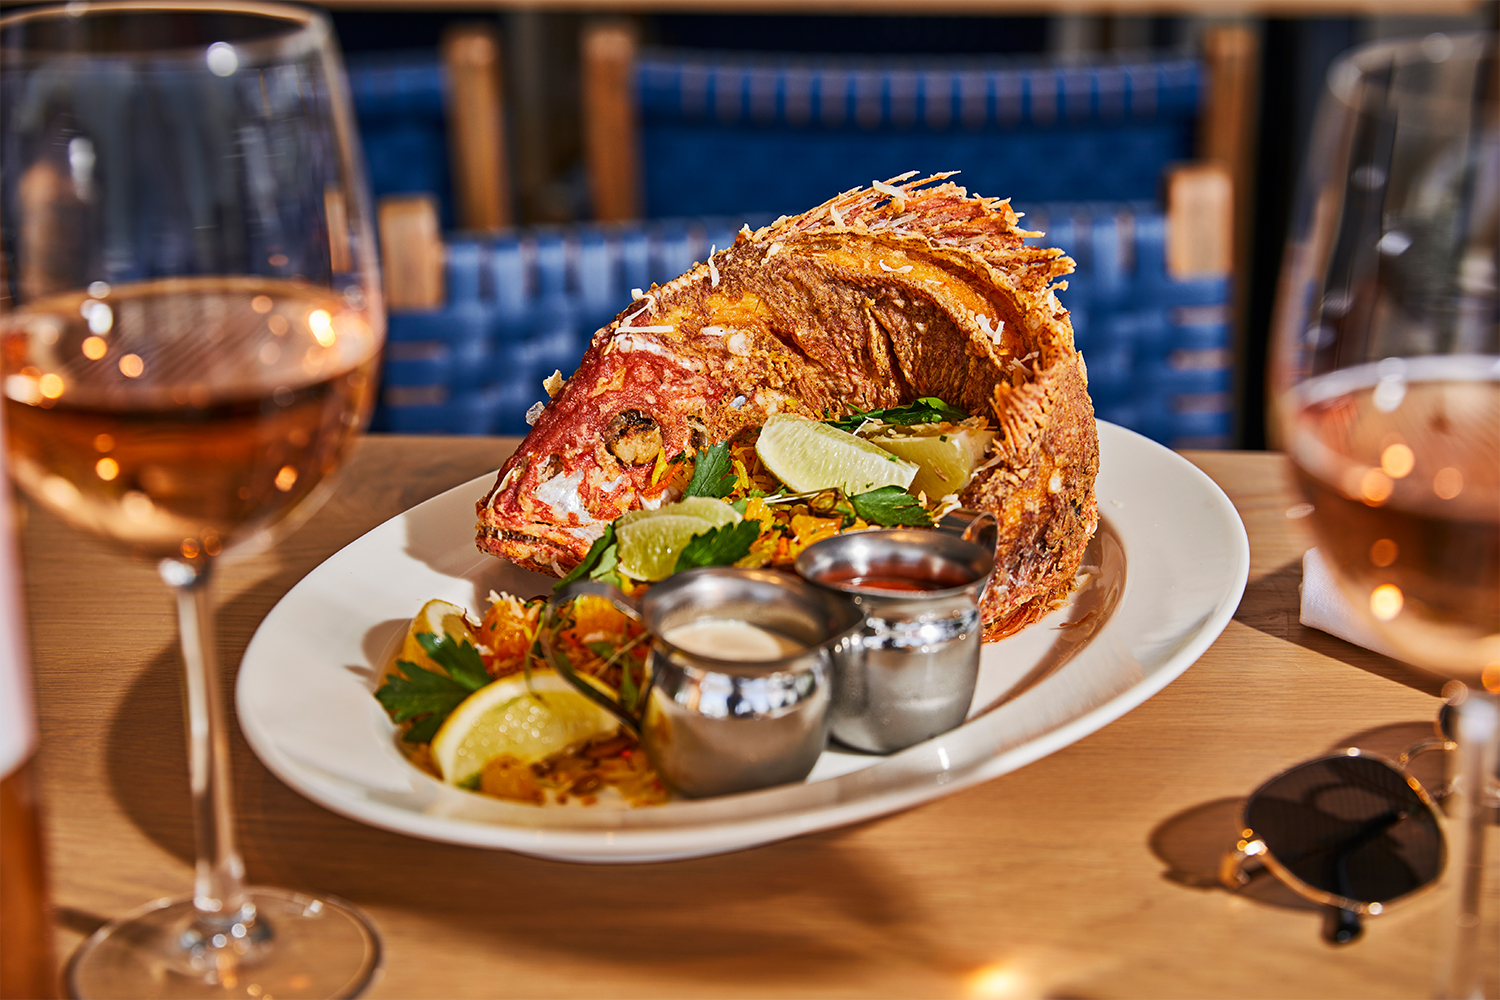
[1087,874]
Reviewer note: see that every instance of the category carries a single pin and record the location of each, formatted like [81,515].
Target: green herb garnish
[927,410]
[607,571]
[713,473]
[889,507]
[594,560]
[429,697]
[721,546]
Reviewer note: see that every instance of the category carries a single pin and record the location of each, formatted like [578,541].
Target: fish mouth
[525,549]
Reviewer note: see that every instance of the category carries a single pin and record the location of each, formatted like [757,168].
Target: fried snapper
[871,300]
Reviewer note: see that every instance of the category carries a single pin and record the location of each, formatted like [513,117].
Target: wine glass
[188,353]
[1386,385]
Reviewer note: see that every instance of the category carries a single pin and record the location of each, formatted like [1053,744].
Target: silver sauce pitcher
[911,673]
[713,726]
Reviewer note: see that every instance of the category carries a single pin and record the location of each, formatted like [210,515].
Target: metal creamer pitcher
[714,725]
[911,673]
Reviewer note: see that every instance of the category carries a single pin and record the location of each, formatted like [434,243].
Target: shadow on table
[81,922]
[1272,604]
[693,911]
[1192,842]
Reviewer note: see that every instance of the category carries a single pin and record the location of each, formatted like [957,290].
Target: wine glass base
[308,946]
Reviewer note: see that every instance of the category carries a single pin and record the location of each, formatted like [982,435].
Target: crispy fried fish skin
[872,299]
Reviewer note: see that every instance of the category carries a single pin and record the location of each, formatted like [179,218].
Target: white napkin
[1325,607]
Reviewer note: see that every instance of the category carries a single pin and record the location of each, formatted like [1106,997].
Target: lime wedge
[648,546]
[947,456]
[508,717]
[715,512]
[807,455]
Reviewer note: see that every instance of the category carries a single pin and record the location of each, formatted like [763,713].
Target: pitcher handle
[564,669]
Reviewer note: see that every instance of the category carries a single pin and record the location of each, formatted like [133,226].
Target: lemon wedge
[807,455]
[509,717]
[946,455]
[436,618]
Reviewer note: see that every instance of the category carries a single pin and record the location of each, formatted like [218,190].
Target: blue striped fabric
[520,307]
[400,104]
[721,134]
[1158,351]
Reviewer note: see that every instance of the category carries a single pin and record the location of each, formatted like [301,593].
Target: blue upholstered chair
[720,142]
[719,134]
[400,103]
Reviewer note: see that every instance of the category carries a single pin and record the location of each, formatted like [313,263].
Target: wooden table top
[1090,873]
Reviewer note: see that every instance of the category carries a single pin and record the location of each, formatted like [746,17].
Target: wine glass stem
[219,882]
[1461,973]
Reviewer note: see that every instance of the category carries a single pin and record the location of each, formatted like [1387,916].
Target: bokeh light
[1386,601]
[321,325]
[1448,483]
[1397,460]
[1375,487]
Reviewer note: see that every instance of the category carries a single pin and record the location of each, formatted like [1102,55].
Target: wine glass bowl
[1385,383]
[197,318]
[106,432]
[1386,370]
[1400,460]
[190,331]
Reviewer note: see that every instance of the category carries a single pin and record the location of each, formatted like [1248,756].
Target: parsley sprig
[890,507]
[724,545]
[425,697]
[713,473]
[926,410]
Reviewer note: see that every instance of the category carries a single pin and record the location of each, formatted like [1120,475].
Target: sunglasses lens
[1349,826]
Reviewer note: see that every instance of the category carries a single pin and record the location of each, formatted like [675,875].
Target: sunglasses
[1352,831]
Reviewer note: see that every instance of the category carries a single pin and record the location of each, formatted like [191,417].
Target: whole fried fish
[876,297]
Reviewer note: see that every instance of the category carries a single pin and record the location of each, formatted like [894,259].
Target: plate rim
[649,843]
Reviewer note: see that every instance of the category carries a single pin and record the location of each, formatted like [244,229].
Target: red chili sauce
[896,577]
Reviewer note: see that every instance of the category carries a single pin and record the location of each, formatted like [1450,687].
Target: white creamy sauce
[560,493]
[731,639]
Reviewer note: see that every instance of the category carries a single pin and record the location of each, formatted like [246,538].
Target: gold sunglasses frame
[1250,847]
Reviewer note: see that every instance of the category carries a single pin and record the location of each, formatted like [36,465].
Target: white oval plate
[1172,559]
